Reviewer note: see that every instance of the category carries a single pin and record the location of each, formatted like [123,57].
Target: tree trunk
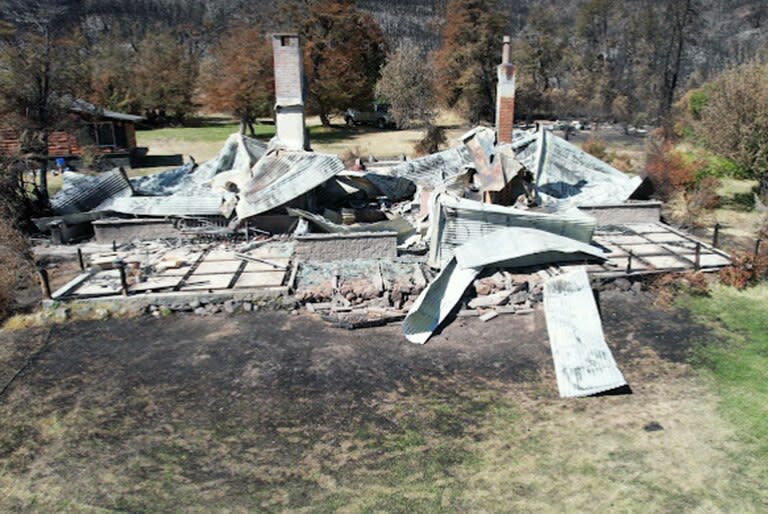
[325,119]
[243,123]
[43,173]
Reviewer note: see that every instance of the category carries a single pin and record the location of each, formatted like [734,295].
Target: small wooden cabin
[113,133]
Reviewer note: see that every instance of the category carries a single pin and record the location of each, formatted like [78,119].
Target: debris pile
[489,227]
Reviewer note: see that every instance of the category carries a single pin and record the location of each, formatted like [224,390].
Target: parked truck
[377,115]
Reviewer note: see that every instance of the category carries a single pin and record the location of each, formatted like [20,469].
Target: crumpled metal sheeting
[456,221]
[296,173]
[164,183]
[237,155]
[434,169]
[395,189]
[436,302]
[565,175]
[523,247]
[81,193]
[583,362]
[400,225]
[174,205]
[508,247]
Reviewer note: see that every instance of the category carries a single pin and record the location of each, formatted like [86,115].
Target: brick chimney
[290,93]
[505,97]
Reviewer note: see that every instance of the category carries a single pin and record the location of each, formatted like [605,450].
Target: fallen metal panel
[394,188]
[434,169]
[81,193]
[511,247]
[523,247]
[237,155]
[399,225]
[584,364]
[437,301]
[296,173]
[456,221]
[163,183]
[567,175]
[175,205]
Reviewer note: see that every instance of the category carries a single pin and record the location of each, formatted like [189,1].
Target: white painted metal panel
[584,364]
[512,247]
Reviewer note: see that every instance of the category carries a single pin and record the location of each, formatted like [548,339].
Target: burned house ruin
[501,222]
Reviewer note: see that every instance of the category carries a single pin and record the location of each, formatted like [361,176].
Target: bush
[622,161]
[747,269]
[596,147]
[434,136]
[670,170]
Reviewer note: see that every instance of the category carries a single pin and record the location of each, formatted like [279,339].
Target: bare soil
[274,411]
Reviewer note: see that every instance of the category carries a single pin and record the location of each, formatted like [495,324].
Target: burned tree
[238,76]
[41,72]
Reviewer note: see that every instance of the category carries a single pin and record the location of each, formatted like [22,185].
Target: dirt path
[275,411]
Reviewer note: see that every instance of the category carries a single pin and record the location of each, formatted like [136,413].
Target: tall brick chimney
[290,92]
[505,97]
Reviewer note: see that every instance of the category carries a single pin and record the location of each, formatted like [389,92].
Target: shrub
[670,170]
[747,269]
[623,162]
[434,136]
[595,146]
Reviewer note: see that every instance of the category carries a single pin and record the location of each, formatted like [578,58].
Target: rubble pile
[501,223]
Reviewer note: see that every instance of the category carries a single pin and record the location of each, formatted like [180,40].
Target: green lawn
[204,134]
[738,368]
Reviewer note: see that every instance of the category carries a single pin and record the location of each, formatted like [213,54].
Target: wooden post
[716,235]
[45,285]
[123,279]
[629,263]
[80,259]
[697,260]
[114,245]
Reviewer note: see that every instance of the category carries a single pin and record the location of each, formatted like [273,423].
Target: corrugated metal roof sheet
[88,108]
[507,247]
[456,221]
[82,193]
[584,364]
[568,176]
[436,302]
[434,169]
[292,173]
[174,205]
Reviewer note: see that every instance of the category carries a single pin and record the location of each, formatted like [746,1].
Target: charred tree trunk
[681,15]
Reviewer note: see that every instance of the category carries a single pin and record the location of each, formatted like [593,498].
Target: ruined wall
[333,247]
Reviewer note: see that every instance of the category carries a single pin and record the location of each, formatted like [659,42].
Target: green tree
[733,120]
[238,76]
[407,85]
[467,59]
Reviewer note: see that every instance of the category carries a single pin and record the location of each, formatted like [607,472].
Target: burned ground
[277,411]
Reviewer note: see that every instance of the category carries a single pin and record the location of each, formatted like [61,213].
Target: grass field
[203,142]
